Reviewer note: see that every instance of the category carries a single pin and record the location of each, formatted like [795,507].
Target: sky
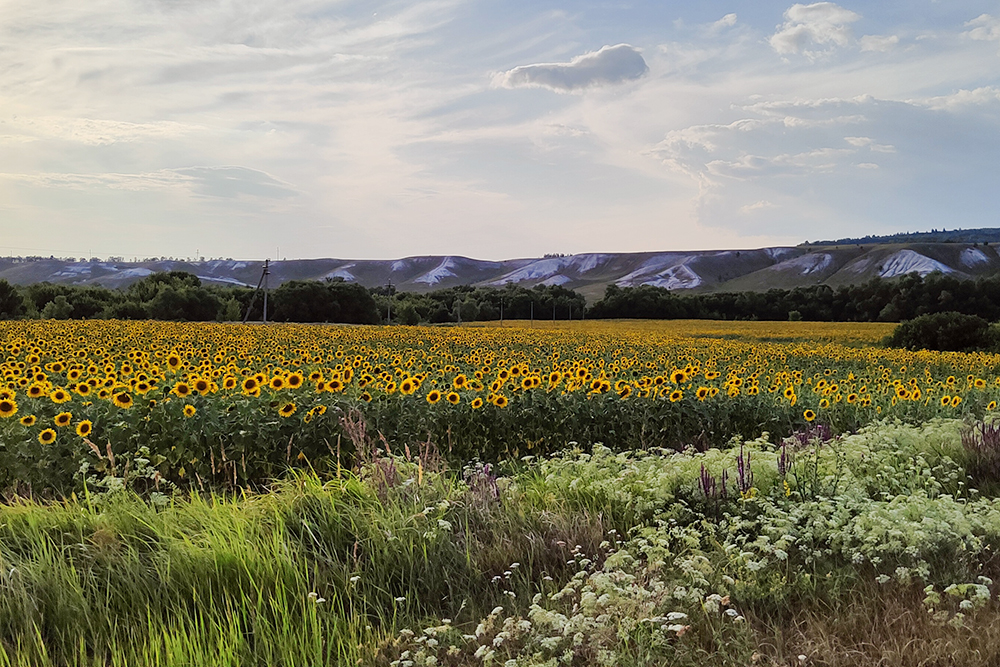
[492,129]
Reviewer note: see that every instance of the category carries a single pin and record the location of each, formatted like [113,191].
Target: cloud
[821,23]
[880,43]
[960,99]
[756,206]
[224,182]
[609,65]
[984,28]
[230,182]
[727,21]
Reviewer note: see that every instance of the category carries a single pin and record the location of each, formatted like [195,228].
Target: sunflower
[955,400]
[287,410]
[477,403]
[452,398]
[189,411]
[992,406]
[407,387]
[36,391]
[500,401]
[333,386]
[229,382]
[84,428]
[83,389]
[29,420]
[47,436]
[173,361]
[459,382]
[366,397]
[319,410]
[433,396]
[294,380]
[63,418]
[60,396]
[277,383]
[809,415]
[676,395]
[702,393]
[945,400]
[122,399]
[250,385]
[202,386]
[182,389]
[678,377]
[8,408]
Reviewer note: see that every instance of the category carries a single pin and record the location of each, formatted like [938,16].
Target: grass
[869,549]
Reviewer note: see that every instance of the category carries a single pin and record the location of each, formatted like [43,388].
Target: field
[627,493]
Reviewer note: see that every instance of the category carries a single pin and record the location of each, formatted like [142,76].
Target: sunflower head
[8,408]
[84,428]
[189,410]
[63,418]
[47,436]
[122,399]
[287,410]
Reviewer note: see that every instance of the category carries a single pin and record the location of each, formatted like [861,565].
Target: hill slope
[589,273]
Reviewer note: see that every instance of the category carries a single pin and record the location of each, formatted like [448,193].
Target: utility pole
[267,272]
[253,297]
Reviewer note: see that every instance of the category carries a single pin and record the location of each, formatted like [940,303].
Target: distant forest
[982,235]
[182,297]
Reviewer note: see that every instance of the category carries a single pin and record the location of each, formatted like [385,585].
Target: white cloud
[962,99]
[984,27]
[881,43]
[756,206]
[609,65]
[821,23]
[727,21]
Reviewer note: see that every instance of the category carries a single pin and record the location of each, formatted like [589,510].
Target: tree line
[178,295]
[182,296]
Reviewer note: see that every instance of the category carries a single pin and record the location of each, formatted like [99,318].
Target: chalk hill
[589,273]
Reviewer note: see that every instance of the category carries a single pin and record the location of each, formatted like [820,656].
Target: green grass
[877,552]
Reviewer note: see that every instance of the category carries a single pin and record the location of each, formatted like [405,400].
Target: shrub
[945,332]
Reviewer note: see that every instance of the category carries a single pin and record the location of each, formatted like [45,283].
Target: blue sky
[311,128]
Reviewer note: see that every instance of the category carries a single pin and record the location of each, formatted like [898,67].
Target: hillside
[589,273]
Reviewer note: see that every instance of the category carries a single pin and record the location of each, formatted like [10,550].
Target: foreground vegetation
[871,549]
[616,493]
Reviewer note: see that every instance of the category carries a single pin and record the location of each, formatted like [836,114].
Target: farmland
[629,493]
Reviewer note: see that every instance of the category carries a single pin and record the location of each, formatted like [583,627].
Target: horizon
[500,130]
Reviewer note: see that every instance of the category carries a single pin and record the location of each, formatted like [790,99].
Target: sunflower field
[215,405]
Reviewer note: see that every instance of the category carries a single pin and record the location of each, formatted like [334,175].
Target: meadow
[626,493]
